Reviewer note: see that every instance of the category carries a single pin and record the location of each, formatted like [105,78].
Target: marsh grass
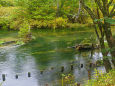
[100,79]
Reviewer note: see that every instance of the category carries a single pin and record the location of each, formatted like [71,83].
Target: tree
[104,24]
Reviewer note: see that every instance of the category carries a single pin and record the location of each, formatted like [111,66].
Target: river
[44,57]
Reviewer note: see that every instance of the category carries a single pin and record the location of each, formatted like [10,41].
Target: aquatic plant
[68,80]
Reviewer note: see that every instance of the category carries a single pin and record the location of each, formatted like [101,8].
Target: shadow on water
[45,57]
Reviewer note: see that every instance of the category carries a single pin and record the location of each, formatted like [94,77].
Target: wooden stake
[41,72]
[52,68]
[81,65]
[16,76]
[78,84]
[29,74]
[71,67]
[3,77]
[90,65]
[62,69]
[46,84]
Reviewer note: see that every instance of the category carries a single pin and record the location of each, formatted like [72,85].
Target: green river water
[47,53]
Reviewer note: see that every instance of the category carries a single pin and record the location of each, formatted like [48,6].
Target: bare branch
[96,32]
[88,10]
[100,24]
[100,5]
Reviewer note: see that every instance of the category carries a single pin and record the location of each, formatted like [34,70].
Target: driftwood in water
[9,42]
[85,46]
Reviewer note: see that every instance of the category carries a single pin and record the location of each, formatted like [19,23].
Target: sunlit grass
[99,79]
[107,79]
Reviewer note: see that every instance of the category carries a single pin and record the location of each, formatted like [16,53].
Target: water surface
[48,53]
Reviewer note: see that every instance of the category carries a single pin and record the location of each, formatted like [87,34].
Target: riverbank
[107,79]
[12,35]
[98,79]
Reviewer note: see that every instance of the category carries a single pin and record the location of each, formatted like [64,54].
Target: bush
[24,32]
[103,79]
[60,22]
[6,3]
[56,23]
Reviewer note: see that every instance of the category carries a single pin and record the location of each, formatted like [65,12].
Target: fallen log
[8,42]
[86,46]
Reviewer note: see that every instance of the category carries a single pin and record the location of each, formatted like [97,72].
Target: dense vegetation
[41,14]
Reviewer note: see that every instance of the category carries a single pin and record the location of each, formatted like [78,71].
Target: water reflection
[45,56]
[14,62]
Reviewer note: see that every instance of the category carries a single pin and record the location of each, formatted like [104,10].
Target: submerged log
[87,46]
[9,42]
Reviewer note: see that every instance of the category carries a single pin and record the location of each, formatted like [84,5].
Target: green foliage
[6,3]
[88,40]
[20,42]
[60,22]
[39,13]
[1,42]
[24,32]
[24,29]
[56,23]
[110,20]
[68,80]
[102,79]
[1,83]
[99,20]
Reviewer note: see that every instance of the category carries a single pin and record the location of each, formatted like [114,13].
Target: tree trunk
[79,11]
[106,61]
[104,8]
[58,9]
[110,40]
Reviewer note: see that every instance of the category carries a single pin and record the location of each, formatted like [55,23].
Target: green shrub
[1,42]
[101,79]
[60,22]
[24,32]
[56,23]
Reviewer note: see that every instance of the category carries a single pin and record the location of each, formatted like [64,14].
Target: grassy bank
[107,79]
[98,79]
